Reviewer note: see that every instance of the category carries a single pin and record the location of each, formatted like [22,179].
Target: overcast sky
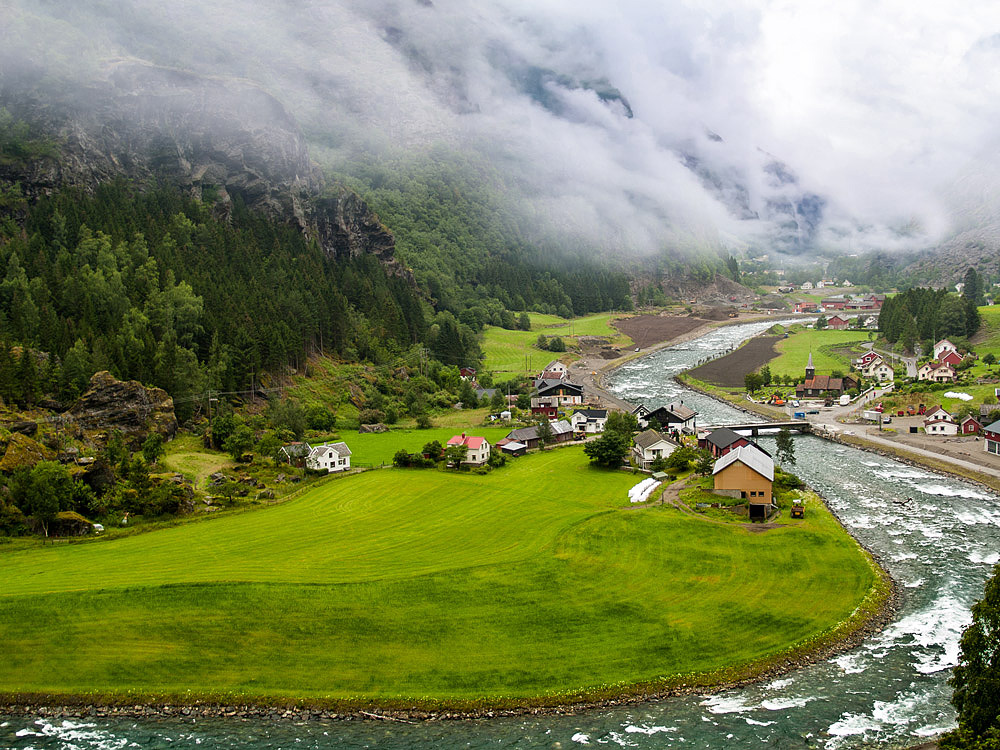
[875,110]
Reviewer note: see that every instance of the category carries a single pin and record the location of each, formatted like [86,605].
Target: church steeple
[810,369]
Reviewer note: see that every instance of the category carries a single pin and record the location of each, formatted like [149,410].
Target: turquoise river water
[889,692]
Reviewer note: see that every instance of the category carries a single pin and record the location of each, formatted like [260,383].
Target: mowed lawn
[408,585]
[794,351]
[515,352]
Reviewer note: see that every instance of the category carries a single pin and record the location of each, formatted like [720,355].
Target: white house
[649,446]
[478,451]
[946,426]
[554,370]
[589,420]
[938,414]
[943,347]
[942,374]
[329,456]
[880,371]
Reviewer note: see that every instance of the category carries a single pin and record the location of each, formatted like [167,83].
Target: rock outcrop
[130,407]
[23,453]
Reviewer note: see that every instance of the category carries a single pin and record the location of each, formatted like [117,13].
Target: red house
[838,323]
[991,433]
[969,426]
[952,358]
[723,440]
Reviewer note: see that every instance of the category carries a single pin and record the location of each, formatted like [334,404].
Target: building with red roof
[478,448]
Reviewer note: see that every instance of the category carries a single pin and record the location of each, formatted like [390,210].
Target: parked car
[886,420]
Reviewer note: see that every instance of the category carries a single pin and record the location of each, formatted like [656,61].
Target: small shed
[513,448]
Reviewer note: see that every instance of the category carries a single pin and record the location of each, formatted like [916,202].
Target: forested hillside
[153,287]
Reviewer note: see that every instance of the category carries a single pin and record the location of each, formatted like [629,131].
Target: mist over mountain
[630,129]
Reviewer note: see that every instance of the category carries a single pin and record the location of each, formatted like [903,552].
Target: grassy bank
[514,352]
[533,584]
[831,350]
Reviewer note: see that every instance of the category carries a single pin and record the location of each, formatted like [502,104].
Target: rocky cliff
[130,407]
[217,139]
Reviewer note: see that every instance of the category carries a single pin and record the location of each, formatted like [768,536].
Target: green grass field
[379,448]
[410,587]
[514,351]
[794,351]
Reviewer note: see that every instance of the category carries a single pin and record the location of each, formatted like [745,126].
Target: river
[891,691]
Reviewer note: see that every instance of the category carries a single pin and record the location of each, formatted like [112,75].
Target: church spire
[810,368]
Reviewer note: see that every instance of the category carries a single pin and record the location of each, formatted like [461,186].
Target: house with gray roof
[329,456]
[650,446]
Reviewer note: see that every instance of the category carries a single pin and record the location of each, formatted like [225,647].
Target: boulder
[25,427]
[23,453]
[130,407]
[377,427]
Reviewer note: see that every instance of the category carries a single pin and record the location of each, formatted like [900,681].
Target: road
[827,420]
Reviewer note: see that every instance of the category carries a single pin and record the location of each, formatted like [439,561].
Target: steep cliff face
[213,138]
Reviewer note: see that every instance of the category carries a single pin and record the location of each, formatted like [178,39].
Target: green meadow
[534,583]
[377,448]
[515,351]
[831,350]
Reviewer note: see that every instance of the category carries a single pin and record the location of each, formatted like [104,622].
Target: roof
[513,445]
[524,433]
[809,364]
[678,411]
[340,449]
[973,419]
[748,455]
[993,426]
[824,383]
[723,437]
[296,449]
[561,427]
[531,433]
[649,438]
[592,413]
[485,392]
[544,386]
[555,363]
[944,341]
[935,410]
[474,443]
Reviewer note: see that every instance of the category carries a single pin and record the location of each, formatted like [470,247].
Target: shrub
[371,416]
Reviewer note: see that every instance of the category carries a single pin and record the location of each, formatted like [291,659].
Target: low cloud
[633,127]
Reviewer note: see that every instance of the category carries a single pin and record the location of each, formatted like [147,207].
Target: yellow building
[750,472]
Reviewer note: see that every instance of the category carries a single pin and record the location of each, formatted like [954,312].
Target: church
[822,385]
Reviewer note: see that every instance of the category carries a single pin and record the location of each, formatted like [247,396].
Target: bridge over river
[755,428]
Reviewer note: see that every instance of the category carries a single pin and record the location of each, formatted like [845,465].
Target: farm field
[827,347]
[728,371]
[511,352]
[410,587]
